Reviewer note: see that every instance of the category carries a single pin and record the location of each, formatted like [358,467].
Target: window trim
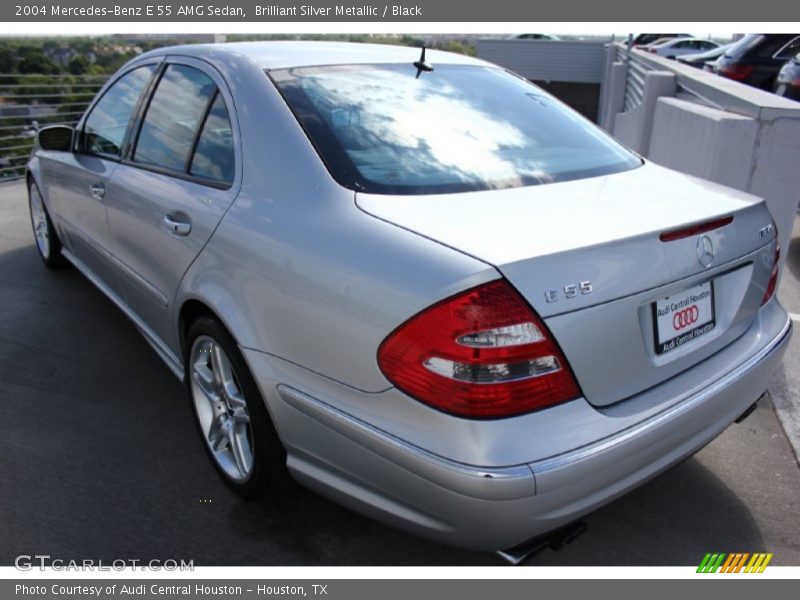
[780,50]
[185,175]
[187,168]
[78,143]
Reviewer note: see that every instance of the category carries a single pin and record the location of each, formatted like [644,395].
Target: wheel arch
[190,311]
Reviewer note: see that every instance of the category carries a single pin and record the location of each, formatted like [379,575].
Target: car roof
[288,54]
[685,39]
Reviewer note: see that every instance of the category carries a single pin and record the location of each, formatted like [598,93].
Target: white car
[680,46]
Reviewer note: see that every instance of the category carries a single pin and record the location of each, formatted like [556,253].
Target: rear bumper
[490,508]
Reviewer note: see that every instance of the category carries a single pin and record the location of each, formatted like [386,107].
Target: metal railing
[29,102]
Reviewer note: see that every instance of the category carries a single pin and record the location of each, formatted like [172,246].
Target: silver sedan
[423,285]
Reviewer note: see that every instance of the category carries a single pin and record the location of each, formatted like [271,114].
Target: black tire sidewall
[269,457]
[55,259]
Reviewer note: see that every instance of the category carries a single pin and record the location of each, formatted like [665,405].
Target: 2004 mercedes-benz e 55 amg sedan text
[436,294]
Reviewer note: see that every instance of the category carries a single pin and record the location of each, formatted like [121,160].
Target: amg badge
[569,291]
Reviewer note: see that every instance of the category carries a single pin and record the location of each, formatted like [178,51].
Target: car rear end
[629,315]
[754,59]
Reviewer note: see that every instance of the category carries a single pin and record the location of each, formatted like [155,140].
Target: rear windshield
[740,47]
[759,45]
[381,129]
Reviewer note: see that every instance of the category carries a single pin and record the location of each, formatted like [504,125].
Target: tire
[47,241]
[230,414]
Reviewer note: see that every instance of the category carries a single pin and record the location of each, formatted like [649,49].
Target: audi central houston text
[415,280]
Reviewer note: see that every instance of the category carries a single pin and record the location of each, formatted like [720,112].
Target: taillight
[480,354]
[773,278]
[736,72]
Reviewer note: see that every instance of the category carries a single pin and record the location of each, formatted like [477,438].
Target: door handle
[97,190]
[176,227]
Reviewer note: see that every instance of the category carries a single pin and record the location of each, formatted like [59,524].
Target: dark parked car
[788,82]
[702,59]
[757,57]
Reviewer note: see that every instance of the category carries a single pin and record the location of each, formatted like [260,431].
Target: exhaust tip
[555,540]
[751,408]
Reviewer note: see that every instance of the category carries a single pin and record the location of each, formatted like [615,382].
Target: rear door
[169,193]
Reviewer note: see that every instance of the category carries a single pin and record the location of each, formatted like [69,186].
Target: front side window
[173,118]
[105,127]
[381,129]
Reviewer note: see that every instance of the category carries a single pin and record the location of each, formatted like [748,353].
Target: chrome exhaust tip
[752,408]
[554,540]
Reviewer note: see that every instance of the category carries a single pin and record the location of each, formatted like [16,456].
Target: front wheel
[47,242]
[231,415]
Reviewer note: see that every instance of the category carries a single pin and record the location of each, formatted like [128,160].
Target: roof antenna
[421,65]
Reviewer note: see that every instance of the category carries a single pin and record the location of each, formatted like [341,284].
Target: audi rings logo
[684,318]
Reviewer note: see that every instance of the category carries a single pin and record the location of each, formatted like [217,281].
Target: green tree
[37,64]
[8,60]
[78,65]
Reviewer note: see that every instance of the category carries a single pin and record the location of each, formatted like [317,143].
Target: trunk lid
[587,256]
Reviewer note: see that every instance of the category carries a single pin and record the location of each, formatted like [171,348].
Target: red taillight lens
[736,72]
[773,278]
[480,354]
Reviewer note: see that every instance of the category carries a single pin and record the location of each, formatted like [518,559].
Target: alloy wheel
[221,409]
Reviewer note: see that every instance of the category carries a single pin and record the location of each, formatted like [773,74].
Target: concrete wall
[547,60]
[571,71]
[705,125]
[633,128]
[684,132]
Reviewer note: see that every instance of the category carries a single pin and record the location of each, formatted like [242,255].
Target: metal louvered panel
[634,87]
[576,62]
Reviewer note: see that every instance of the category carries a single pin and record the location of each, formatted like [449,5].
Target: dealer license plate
[683,317]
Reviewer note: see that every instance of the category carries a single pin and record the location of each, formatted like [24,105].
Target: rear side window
[771,44]
[214,156]
[381,129]
[105,127]
[744,45]
[173,118]
[789,50]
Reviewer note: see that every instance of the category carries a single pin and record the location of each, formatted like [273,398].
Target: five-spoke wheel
[221,409]
[230,412]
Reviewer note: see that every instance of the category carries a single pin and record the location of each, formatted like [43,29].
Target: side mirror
[56,137]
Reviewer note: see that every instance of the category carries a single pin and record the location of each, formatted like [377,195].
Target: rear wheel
[47,242]
[231,415]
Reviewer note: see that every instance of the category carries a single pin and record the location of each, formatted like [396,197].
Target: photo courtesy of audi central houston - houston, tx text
[281,300]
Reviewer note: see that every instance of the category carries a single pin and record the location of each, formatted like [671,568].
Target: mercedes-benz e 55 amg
[432,291]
